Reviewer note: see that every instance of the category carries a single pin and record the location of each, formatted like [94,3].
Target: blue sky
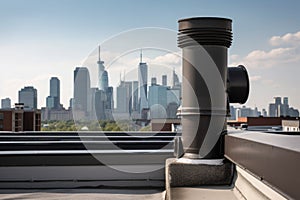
[40,39]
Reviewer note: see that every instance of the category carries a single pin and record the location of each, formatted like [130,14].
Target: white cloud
[168,59]
[286,51]
[290,39]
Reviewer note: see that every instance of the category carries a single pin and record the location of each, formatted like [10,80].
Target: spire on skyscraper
[142,79]
[141,56]
[99,59]
[102,73]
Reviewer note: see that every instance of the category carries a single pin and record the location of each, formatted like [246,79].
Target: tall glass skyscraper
[124,97]
[102,73]
[164,80]
[53,101]
[143,80]
[176,81]
[28,96]
[135,95]
[158,101]
[82,89]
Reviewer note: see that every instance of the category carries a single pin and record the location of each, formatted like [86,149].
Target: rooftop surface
[79,194]
[253,153]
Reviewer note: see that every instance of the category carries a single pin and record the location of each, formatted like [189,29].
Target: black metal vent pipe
[204,42]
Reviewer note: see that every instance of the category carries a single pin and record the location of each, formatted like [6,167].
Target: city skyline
[164,81]
[265,42]
[90,102]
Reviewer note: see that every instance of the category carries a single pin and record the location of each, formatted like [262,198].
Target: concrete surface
[253,188]
[197,193]
[79,194]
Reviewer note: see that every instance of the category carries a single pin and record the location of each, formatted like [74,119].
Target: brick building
[17,119]
[259,121]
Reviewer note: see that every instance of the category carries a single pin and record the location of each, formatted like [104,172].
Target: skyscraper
[275,109]
[109,98]
[124,97]
[284,108]
[82,89]
[122,104]
[176,81]
[285,100]
[153,81]
[164,80]
[277,100]
[135,95]
[5,103]
[264,113]
[53,101]
[98,100]
[158,101]
[28,96]
[143,79]
[278,109]
[102,73]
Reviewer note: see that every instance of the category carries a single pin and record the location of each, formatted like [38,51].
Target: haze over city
[44,39]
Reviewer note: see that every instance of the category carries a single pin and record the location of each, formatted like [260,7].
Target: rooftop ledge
[273,159]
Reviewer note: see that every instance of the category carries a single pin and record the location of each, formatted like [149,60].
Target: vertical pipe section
[214,36]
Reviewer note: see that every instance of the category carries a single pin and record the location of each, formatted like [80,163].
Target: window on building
[1,116]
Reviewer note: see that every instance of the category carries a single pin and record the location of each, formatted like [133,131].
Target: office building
[158,101]
[278,109]
[56,115]
[277,106]
[176,82]
[292,112]
[81,100]
[244,111]
[164,80]
[28,97]
[143,80]
[264,113]
[98,103]
[5,103]
[124,97]
[18,119]
[102,73]
[173,101]
[53,100]
[135,95]
[153,81]
[284,108]
[104,96]
[109,104]
[285,100]
[272,110]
